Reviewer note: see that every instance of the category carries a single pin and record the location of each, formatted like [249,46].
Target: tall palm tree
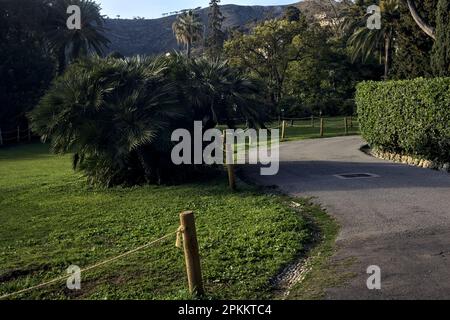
[364,41]
[73,44]
[188,29]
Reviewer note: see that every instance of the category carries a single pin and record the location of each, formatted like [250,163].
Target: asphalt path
[397,218]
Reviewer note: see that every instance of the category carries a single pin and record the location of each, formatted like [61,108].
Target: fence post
[191,253]
[283,130]
[1,137]
[351,122]
[346,125]
[29,134]
[231,176]
[321,127]
[312,121]
[292,123]
[229,162]
[18,134]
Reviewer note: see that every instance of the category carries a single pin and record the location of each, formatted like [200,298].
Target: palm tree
[218,93]
[364,41]
[73,44]
[115,116]
[188,29]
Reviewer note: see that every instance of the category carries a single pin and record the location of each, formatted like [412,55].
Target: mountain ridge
[154,36]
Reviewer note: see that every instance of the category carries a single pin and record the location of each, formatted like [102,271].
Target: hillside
[155,36]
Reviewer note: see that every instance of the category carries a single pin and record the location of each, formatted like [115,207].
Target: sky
[155,8]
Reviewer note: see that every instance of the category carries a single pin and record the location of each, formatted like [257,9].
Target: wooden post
[283,130]
[292,123]
[191,253]
[312,121]
[346,125]
[1,137]
[351,122]
[18,134]
[231,176]
[29,134]
[321,127]
[229,157]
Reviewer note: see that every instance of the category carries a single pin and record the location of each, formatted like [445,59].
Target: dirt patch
[13,274]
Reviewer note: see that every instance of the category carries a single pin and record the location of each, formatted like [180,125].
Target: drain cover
[356,175]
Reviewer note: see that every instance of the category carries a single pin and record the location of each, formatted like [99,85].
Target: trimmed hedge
[408,116]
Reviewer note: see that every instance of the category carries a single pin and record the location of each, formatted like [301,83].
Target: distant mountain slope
[142,36]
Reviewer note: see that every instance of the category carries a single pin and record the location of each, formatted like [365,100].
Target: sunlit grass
[51,219]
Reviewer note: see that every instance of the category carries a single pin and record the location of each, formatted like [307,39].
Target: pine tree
[216,36]
[441,51]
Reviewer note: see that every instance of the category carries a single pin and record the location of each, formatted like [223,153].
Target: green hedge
[409,116]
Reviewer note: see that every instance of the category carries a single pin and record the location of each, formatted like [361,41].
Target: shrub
[409,116]
[116,116]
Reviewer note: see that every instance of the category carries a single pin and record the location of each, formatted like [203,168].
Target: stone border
[406,159]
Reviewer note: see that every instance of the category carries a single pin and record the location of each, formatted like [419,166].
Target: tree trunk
[143,159]
[61,60]
[188,45]
[387,56]
[418,19]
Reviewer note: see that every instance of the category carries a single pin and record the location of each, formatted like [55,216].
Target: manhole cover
[356,175]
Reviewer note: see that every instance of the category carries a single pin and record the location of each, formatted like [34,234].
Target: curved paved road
[398,220]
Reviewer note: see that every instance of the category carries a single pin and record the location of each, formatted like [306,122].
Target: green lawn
[51,219]
[333,127]
[307,129]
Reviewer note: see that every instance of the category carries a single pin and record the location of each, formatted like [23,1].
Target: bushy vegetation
[441,50]
[26,68]
[307,72]
[36,45]
[409,116]
[116,116]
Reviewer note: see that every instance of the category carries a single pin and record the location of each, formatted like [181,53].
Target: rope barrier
[179,230]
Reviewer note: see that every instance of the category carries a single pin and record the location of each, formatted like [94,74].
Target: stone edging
[409,160]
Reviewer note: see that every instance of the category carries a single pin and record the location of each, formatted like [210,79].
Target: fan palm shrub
[116,116]
[218,93]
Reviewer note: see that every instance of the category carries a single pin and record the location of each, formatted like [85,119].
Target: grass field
[307,129]
[51,219]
